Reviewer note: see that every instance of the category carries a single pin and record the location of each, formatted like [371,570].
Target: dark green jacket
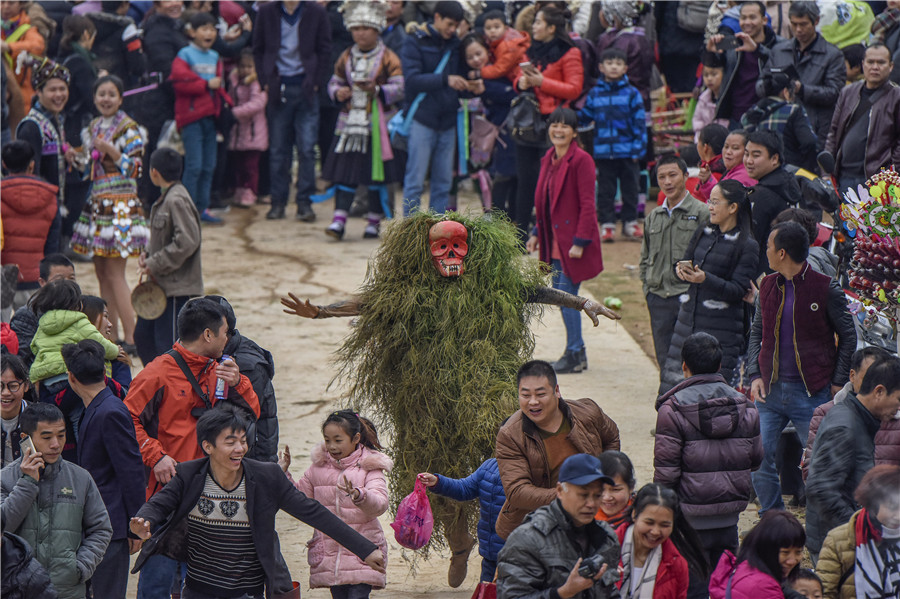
[62,517]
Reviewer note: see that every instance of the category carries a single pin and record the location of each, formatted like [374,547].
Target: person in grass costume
[442,328]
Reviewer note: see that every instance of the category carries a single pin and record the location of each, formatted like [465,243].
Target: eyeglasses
[12,386]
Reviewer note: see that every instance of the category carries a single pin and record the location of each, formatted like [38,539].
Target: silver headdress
[365,13]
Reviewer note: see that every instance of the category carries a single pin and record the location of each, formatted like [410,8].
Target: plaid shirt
[770,113]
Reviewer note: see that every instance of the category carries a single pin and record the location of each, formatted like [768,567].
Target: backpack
[692,16]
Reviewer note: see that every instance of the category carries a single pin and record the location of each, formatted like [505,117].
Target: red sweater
[28,204]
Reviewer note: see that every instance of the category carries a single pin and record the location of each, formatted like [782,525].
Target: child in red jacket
[508,47]
[28,206]
[199,91]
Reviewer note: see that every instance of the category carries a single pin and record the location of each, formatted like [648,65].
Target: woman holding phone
[553,71]
[719,264]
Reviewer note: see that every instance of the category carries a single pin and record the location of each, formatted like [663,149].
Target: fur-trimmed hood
[365,458]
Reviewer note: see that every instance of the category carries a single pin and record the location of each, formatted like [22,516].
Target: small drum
[148,299]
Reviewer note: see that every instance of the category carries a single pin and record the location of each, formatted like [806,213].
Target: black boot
[582,355]
[569,363]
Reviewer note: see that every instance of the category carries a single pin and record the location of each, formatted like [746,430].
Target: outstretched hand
[592,309]
[298,307]
[141,528]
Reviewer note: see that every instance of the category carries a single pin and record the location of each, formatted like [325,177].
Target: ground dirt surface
[253,262]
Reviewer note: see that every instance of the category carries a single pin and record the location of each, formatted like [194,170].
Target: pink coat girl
[251,131]
[330,564]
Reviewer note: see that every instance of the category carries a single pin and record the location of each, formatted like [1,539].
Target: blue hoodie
[617,110]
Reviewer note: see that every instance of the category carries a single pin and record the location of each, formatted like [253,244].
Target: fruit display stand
[871,215]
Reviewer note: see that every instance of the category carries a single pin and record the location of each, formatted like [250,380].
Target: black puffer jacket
[163,38]
[707,443]
[118,47]
[24,324]
[844,450]
[773,193]
[716,305]
[23,576]
[257,365]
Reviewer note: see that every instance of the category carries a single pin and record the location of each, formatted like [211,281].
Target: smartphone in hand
[27,443]
[729,42]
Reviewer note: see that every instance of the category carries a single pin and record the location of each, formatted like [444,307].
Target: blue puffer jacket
[422,52]
[617,110]
[483,484]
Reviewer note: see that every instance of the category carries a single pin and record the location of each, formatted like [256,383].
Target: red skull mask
[448,247]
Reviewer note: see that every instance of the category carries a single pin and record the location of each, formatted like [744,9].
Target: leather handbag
[525,122]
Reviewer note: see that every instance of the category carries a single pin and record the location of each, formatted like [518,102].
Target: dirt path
[253,262]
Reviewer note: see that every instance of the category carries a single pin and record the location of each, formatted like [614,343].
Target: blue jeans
[785,402]
[571,318]
[428,146]
[199,160]
[158,576]
[293,121]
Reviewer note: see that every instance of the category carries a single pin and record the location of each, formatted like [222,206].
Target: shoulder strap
[728,588]
[190,376]
[421,96]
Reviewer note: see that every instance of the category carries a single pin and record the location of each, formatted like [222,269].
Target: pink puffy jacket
[748,582]
[329,563]
[251,131]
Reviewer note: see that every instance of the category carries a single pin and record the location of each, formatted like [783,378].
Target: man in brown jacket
[865,129]
[537,439]
[172,258]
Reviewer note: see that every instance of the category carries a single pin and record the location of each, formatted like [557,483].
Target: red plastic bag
[485,590]
[414,522]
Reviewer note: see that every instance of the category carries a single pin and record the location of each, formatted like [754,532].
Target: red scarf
[866,529]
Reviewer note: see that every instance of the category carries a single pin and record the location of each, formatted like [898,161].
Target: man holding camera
[560,548]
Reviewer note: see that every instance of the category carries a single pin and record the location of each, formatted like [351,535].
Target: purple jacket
[315,47]
[707,443]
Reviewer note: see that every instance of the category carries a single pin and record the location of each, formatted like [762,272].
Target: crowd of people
[129,127]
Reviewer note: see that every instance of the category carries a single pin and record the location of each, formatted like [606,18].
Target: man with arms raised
[229,505]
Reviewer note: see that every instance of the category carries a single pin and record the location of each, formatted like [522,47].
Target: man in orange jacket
[165,406]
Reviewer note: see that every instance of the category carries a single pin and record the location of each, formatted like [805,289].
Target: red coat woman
[567,236]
